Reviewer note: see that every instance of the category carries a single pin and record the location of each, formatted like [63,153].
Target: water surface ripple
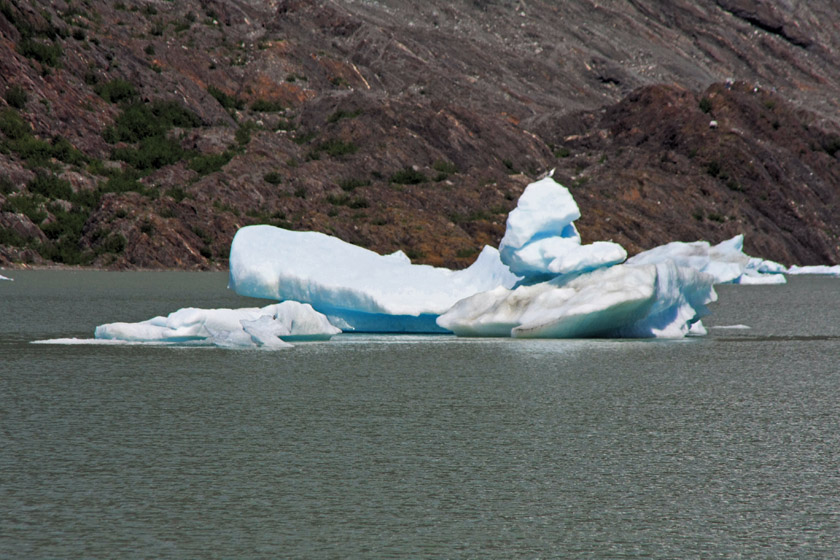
[393,447]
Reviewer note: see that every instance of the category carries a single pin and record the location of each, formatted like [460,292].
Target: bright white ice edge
[543,282]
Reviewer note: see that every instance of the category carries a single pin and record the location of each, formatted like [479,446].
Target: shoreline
[73,268]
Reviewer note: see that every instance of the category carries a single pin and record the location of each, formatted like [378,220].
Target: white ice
[269,327]
[662,300]
[543,282]
[726,261]
[358,289]
[5,278]
[824,270]
[541,239]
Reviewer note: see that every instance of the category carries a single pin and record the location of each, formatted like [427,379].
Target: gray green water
[726,446]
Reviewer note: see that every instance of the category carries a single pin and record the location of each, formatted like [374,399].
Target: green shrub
[66,224]
[85,198]
[358,202]
[204,164]
[444,166]
[115,243]
[12,238]
[153,152]
[444,169]
[243,133]
[286,124]
[142,120]
[273,177]
[23,26]
[352,184]
[734,185]
[32,150]
[6,185]
[408,176]
[706,105]
[45,52]
[67,251]
[16,96]
[205,237]
[225,100]
[116,91]
[37,152]
[466,253]
[338,199]
[13,125]
[335,148]
[31,206]
[133,124]
[266,106]
[50,186]
[304,138]
[64,151]
[177,193]
[172,113]
[123,181]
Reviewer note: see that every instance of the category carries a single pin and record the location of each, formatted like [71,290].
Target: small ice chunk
[824,270]
[725,261]
[266,327]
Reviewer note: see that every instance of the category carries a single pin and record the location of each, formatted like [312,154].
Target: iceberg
[541,239]
[622,301]
[358,289]
[5,278]
[270,327]
[542,282]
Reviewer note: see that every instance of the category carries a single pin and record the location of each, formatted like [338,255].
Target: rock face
[144,134]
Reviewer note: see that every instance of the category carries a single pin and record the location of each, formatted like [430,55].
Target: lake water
[416,446]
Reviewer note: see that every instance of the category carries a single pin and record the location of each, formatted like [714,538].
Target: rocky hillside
[145,133]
